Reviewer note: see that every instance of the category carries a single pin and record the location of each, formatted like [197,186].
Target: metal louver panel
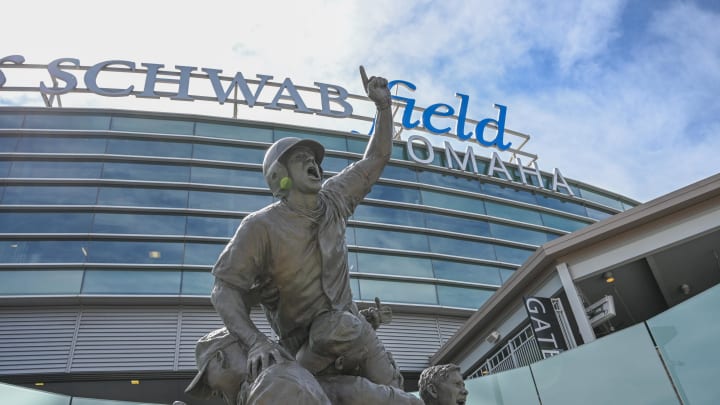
[448,327]
[35,340]
[411,340]
[197,321]
[126,338]
[162,338]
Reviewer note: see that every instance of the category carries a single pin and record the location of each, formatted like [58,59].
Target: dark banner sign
[545,326]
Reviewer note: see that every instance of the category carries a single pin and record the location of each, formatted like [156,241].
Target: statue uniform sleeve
[351,185]
[243,258]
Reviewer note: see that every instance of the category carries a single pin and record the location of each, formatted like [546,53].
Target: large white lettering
[495,168]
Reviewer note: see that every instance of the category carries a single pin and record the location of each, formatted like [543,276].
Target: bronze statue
[291,257]
[442,385]
[222,372]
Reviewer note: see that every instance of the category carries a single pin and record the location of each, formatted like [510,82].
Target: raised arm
[379,148]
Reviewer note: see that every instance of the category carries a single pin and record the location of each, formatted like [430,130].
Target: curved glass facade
[97,202]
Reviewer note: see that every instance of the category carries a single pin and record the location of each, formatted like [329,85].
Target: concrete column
[576,306]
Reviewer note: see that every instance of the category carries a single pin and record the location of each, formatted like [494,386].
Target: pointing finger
[364,77]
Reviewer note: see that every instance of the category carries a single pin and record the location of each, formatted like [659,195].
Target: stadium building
[111,219]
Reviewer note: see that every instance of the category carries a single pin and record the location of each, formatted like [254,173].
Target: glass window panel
[350,235]
[558,222]
[197,283]
[40,282]
[637,375]
[241,202]
[202,254]
[505,274]
[511,193]
[45,222]
[600,198]
[384,238]
[482,165]
[514,386]
[69,251]
[357,145]
[38,169]
[389,215]
[355,288]
[136,147]
[228,153]
[147,172]
[687,336]
[135,252]
[400,152]
[394,265]
[132,223]
[334,164]
[13,394]
[514,213]
[330,142]
[160,126]
[398,291]
[457,224]
[462,297]
[512,255]
[59,144]
[399,173]
[561,205]
[229,177]
[212,226]
[67,121]
[449,180]
[574,189]
[11,120]
[453,202]
[8,143]
[142,197]
[131,282]
[233,132]
[597,214]
[352,261]
[461,247]
[518,234]
[395,193]
[627,205]
[474,273]
[52,195]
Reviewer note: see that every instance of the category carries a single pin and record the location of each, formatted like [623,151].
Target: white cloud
[641,124]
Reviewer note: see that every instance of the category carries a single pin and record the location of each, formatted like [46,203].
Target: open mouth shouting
[313,171]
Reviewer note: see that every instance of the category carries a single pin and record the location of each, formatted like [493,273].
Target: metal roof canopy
[652,250]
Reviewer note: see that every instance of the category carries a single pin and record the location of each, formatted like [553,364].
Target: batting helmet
[275,170]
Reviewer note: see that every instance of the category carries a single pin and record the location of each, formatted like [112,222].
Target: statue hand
[264,353]
[377,89]
[377,315]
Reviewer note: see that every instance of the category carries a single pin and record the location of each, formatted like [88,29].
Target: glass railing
[671,358]
[15,395]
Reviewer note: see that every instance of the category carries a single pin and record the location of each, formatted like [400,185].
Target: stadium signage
[333,102]
[333,98]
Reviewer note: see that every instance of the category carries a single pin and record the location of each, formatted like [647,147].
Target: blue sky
[618,94]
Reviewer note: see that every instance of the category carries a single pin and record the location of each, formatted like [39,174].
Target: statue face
[226,372]
[304,171]
[452,390]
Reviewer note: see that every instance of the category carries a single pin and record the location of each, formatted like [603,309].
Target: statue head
[277,167]
[222,367]
[442,385]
